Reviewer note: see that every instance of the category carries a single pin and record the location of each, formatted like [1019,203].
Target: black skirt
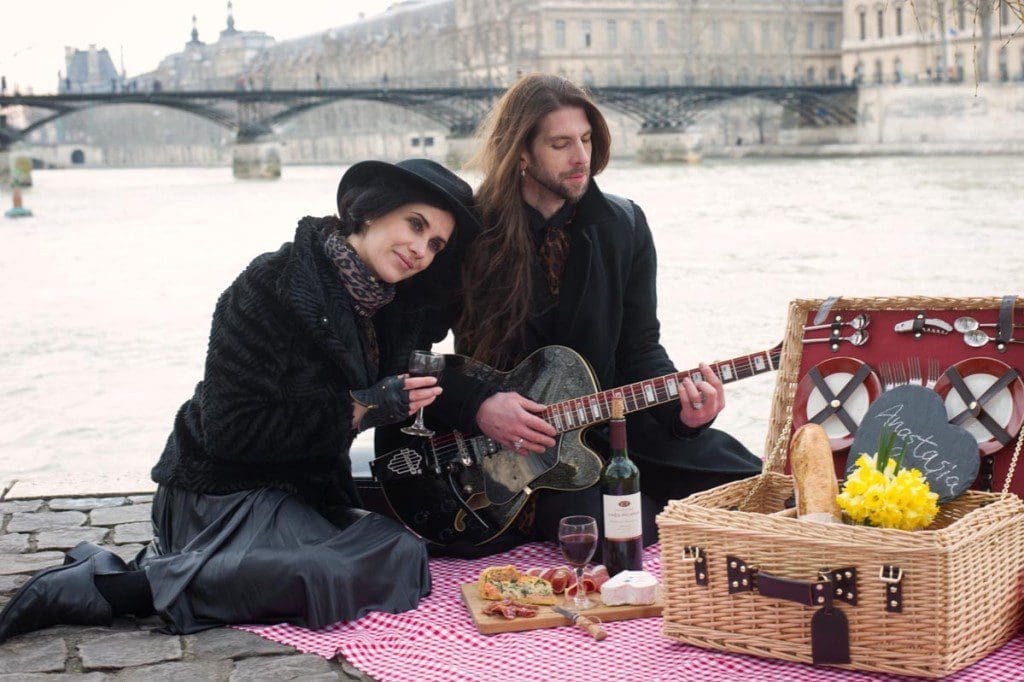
[266,556]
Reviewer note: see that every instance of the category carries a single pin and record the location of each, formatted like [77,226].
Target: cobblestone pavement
[35,533]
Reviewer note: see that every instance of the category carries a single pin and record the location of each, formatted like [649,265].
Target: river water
[107,292]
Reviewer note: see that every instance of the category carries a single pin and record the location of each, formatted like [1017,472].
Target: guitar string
[570,410]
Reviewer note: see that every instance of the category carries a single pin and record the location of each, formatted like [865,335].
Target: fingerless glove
[386,402]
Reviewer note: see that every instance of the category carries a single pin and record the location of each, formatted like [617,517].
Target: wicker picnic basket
[928,603]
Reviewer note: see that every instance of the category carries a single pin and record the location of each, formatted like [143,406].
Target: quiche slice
[501,582]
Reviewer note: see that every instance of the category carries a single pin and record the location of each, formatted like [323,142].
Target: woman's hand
[392,400]
[509,419]
[422,392]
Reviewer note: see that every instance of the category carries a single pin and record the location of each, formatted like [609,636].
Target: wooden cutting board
[546,618]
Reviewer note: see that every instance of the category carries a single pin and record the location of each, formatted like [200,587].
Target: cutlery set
[973,334]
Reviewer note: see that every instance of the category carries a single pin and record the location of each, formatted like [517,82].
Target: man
[560,262]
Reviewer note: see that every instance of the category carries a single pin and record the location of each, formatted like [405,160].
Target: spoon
[969,324]
[860,322]
[857,338]
[977,338]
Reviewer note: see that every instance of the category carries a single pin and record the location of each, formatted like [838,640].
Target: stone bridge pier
[669,145]
[256,157]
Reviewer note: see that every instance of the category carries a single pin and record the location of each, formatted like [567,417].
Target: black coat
[608,312]
[273,408]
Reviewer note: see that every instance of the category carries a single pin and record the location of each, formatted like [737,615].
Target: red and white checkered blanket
[438,641]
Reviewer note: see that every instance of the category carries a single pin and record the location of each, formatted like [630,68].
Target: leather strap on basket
[834,402]
[975,404]
[825,309]
[830,630]
[1004,328]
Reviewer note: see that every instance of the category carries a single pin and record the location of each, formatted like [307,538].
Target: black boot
[63,594]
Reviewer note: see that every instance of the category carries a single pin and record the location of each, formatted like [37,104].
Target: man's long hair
[497,269]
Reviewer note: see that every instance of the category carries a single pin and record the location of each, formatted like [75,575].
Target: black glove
[386,402]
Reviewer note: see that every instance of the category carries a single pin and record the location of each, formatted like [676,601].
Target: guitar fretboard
[597,407]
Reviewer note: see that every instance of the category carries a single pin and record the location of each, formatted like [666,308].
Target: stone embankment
[34,535]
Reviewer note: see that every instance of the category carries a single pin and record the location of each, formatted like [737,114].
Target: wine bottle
[620,492]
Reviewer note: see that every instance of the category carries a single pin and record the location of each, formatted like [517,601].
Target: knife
[593,627]
[932,325]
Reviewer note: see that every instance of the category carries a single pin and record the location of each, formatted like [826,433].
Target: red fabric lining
[885,344]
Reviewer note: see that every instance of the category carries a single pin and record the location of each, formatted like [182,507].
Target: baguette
[810,455]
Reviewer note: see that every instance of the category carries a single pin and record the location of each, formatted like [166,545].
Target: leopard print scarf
[368,293]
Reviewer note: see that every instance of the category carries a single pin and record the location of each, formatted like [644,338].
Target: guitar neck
[576,413]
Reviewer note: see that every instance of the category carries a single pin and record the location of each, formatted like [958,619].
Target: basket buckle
[698,557]
[892,576]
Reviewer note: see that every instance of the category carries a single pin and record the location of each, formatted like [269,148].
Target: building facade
[89,71]
[933,41]
[423,43]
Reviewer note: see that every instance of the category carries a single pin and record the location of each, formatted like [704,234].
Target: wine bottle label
[622,519]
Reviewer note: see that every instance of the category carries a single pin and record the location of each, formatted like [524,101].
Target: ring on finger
[518,444]
[697,404]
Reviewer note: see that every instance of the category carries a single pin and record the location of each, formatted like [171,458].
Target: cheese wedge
[630,587]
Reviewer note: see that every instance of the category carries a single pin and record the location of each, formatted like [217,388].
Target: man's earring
[522,174]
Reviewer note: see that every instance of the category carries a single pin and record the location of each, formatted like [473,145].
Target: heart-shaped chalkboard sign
[947,455]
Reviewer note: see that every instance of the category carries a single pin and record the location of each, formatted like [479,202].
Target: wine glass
[577,538]
[423,364]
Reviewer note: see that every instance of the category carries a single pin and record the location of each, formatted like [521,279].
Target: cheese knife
[592,627]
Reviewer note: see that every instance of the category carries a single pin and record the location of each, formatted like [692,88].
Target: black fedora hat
[429,175]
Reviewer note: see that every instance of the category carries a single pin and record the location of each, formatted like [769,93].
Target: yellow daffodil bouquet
[880,492]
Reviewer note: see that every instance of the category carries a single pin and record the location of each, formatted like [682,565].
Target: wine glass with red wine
[423,364]
[577,538]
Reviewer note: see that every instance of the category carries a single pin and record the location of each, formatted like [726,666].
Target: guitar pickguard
[550,375]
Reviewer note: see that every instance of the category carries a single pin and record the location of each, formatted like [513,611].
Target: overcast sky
[33,33]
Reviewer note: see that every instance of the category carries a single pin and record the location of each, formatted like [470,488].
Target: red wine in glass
[423,364]
[577,538]
[578,548]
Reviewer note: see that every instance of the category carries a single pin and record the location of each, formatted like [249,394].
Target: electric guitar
[455,488]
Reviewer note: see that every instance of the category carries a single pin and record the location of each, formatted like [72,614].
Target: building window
[810,35]
[428,141]
[613,35]
[662,33]
[587,33]
[1004,12]
[832,74]
[879,76]
[766,36]
[897,70]
[810,74]
[863,16]
[961,15]
[959,72]
[559,33]
[830,35]
[638,35]
[1004,64]
[881,23]
[899,21]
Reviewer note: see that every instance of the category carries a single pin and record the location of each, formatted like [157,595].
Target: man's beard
[553,185]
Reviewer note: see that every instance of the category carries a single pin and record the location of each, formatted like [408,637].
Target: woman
[256,517]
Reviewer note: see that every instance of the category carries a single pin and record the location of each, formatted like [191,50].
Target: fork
[915,371]
[900,374]
[933,373]
[883,371]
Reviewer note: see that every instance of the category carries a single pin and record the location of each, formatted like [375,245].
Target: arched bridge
[252,114]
